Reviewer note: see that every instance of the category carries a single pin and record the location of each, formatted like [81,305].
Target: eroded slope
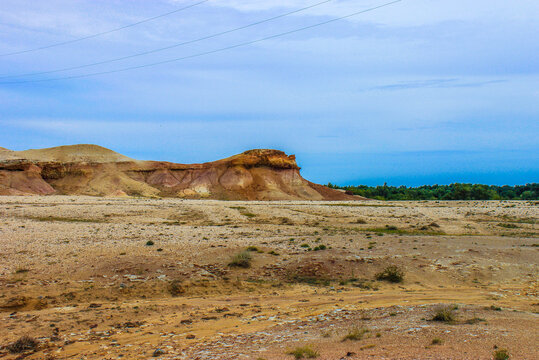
[93,170]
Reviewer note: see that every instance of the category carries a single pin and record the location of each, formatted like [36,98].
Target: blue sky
[419,92]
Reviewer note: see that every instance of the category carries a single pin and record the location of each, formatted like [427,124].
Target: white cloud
[405,13]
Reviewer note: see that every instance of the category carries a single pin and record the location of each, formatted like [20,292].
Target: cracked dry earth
[126,278]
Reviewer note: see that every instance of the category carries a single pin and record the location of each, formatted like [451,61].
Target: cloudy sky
[416,92]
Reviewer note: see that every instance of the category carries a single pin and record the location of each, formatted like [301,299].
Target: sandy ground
[77,274]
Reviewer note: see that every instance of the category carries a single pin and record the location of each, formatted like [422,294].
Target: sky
[416,92]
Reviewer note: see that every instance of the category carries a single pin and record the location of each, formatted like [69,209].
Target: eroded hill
[260,174]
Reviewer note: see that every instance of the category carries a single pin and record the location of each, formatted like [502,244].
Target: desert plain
[139,278]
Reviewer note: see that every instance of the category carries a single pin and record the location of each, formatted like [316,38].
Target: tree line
[456,191]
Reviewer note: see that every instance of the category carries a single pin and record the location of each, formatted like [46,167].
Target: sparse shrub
[437,341]
[175,288]
[24,343]
[508,226]
[392,274]
[252,248]
[495,308]
[320,247]
[310,280]
[501,354]
[444,314]
[286,221]
[149,243]
[274,253]
[158,352]
[366,347]
[304,245]
[474,320]
[242,259]
[355,334]
[391,227]
[359,221]
[366,285]
[304,352]
[310,273]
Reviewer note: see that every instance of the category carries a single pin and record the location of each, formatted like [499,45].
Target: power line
[208,52]
[170,46]
[104,32]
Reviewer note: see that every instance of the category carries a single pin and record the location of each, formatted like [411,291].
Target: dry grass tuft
[242,260]
[356,334]
[304,352]
[23,344]
[445,314]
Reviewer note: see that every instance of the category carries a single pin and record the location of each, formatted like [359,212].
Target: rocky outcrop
[91,170]
[23,178]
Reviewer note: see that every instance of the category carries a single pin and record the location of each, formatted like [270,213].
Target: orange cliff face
[259,174]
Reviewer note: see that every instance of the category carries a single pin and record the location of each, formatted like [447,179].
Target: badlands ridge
[93,170]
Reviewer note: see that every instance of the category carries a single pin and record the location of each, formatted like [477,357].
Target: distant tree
[456,191]
[528,195]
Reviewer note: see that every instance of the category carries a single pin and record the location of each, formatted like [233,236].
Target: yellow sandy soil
[76,275]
